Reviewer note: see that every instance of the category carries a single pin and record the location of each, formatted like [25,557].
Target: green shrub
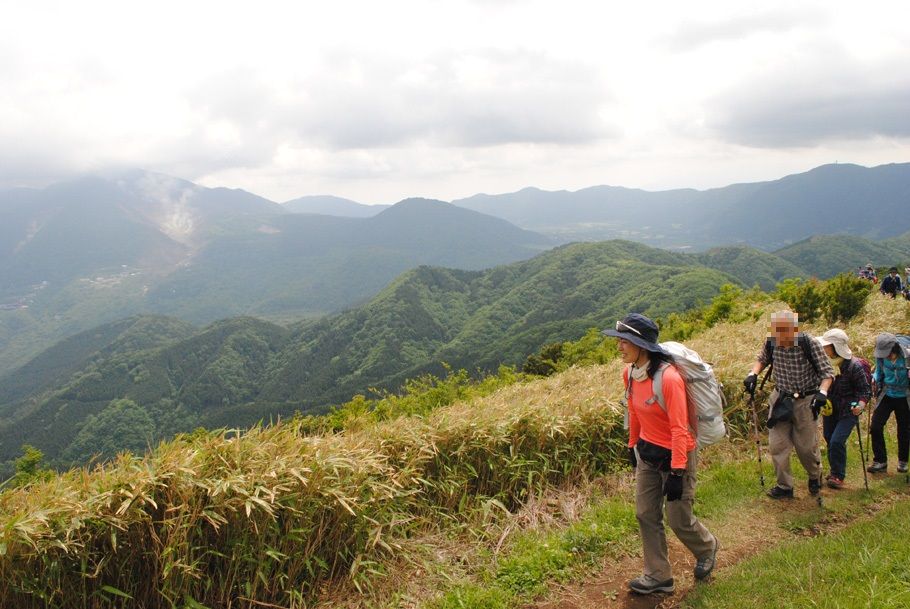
[803,297]
[844,297]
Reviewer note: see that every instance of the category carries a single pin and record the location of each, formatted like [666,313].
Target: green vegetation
[825,256]
[863,565]
[536,559]
[237,372]
[30,467]
[838,299]
[276,513]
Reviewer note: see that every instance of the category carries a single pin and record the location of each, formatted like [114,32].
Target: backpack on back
[866,366]
[704,397]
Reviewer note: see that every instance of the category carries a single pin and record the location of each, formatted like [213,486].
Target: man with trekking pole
[802,376]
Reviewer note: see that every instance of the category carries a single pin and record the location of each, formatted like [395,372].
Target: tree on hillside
[122,425]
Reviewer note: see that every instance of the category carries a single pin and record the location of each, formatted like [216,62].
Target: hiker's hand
[633,460]
[750,382]
[673,487]
[857,408]
[818,402]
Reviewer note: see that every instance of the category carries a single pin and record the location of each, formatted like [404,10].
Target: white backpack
[704,396]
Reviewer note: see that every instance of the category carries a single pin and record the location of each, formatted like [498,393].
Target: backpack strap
[657,386]
[803,341]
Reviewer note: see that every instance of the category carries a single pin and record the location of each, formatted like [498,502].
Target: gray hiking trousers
[649,509]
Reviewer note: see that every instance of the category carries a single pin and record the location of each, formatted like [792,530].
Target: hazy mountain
[843,198]
[237,371]
[332,206]
[310,264]
[94,225]
[89,251]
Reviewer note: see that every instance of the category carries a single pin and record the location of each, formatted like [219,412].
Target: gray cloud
[693,35]
[824,100]
[483,99]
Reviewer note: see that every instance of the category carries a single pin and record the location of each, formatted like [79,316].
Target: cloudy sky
[378,101]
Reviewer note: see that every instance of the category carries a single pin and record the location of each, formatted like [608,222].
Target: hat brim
[842,350]
[882,353]
[638,341]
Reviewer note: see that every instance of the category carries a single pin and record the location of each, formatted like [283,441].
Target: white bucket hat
[837,338]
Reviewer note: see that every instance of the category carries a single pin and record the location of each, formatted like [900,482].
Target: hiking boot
[778,492]
[902,467]
[647,584]
[835,482]
[815,486]
[877,467]
[704,566]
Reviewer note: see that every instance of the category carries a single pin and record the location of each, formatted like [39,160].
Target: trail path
[757,527]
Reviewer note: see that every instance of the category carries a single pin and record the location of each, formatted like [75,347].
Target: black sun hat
[638,330]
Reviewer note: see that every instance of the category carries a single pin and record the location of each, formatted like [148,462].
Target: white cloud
[379,101]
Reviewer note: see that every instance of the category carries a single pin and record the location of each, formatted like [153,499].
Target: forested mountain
[332,206]
[827,255]
[751,266]
[306,264]
[93,250]
[842,198]
[237,371]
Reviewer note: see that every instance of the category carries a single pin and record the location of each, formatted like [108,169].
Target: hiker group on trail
[675,406]
[892,285]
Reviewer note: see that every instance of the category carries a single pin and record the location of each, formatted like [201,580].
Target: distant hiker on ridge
[891,285]
[850,392]
[663,451]
[802,376]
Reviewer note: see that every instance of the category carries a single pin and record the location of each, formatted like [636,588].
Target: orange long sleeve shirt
[649,421]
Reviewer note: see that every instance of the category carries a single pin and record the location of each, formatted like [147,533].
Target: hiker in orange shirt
[662,449]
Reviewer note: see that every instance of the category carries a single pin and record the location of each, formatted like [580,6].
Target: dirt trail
[742,534]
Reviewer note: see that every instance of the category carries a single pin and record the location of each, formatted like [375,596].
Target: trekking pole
[761,469]
[862,455]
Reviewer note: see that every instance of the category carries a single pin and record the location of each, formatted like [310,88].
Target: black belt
[796,395]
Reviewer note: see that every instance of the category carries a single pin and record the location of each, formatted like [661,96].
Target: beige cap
[838,338]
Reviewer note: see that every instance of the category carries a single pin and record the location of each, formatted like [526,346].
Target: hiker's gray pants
[649,507]
[802,434]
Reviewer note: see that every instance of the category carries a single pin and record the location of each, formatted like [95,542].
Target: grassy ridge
[272,514]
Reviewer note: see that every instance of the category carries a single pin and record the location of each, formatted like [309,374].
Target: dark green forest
[131,383]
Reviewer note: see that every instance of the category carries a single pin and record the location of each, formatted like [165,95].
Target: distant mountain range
[841,198]
[97,249]
[332,206]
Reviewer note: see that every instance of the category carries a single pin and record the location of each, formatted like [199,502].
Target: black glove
[632,459]
[818,403]
[673,487]
[878,389]
[749,382]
